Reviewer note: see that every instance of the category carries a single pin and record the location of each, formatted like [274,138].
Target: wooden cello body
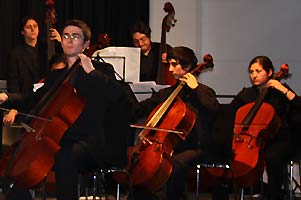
[152,166]
[248,163]
[149,161]
[31,158]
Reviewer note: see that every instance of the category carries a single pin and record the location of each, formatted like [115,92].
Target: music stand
[118,63]
[125,60]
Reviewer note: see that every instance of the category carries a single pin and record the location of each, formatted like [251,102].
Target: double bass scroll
[164,77]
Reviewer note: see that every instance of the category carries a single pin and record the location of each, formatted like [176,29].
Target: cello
[164,76]
[30,159]
[149,161]
[251,120]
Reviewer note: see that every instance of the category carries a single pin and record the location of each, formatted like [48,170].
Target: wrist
[194,86]
[90,69]
[3,97]
[285,93]
[290,95]
[13,112]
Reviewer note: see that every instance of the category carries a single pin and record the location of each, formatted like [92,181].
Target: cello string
[157,129]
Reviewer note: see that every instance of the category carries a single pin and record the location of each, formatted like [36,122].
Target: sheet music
[144,90]
[36,86]
[126,61]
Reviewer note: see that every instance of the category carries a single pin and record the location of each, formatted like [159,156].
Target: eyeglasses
[74,36]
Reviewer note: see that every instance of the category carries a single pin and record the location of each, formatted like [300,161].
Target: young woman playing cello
[283,99]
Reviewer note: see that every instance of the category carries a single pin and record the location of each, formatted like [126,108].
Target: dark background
[103,16]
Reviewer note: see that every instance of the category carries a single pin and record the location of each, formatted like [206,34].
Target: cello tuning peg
[174,22]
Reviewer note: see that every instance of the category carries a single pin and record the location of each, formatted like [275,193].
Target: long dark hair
[24,21]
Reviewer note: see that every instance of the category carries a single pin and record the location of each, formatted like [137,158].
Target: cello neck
[50,93]
[250,116]
[158,115]
[283,73]
[164,107]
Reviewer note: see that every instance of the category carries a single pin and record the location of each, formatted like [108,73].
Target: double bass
[31,157]
[164,77]
[149,161]
[50,21]
[251,120]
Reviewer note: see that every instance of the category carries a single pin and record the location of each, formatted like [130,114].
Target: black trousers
[175,185]
[276,155]
[181,162]
[69,162]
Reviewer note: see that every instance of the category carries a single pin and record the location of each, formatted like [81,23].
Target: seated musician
[149,58]
[283,99]
[98,138]
[198,97]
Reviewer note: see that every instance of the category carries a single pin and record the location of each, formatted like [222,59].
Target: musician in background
[201,99]
[98,138]
[284,100]
[149,58]
[28,62]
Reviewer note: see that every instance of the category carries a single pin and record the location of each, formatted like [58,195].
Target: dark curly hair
[184,55]
[140,27]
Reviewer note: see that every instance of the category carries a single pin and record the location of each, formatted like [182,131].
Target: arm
[11,99]
[99,80]
[13,72]
[205,94]
[207,97]
[289,94]
[246,95]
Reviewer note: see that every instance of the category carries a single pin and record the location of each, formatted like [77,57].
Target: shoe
[89,198]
